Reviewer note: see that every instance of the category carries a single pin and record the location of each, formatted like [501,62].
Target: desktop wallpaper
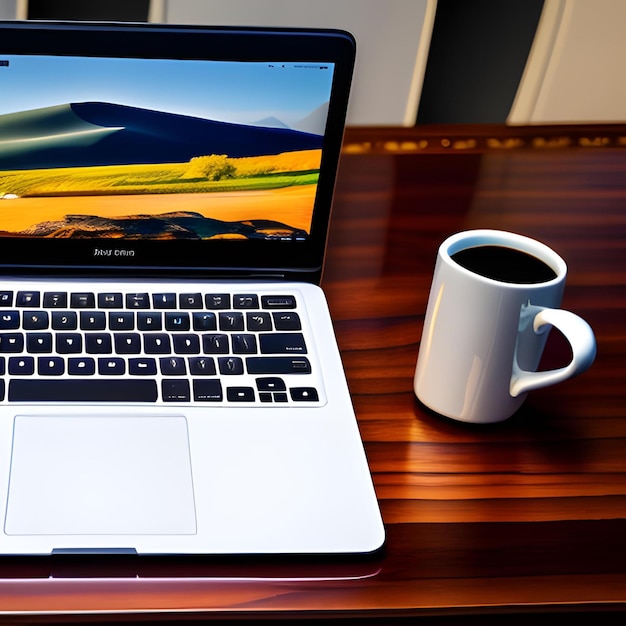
[159,149]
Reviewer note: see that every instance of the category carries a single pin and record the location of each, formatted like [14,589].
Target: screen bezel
[224,258]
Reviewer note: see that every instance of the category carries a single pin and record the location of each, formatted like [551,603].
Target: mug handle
[581,339]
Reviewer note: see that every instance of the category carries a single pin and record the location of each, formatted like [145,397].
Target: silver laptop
[170,381]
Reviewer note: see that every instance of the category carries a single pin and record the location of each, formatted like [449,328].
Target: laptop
[170,380]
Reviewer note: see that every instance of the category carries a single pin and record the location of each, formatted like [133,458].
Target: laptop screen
[160,149]
[118,157]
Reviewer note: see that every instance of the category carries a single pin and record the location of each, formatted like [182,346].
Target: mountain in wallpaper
[99,133]
[314,122]
[173,225]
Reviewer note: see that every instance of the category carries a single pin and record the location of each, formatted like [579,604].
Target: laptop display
[94,147]
[184,152]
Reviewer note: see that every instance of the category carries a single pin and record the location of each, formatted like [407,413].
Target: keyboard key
[111,367]
[288,320]
[50,366]
[177,321]
[215,344]
[173,366]
[127,343]
[124,320]
[64,320]
[240,394]
[81,367]
[34,320]
[202,366]
[186,344]
[245,301]
[149,321]
[21,365]
[10,320]
[244,344]
[258,322]
[278,302]
[164,300]
[157,344]
[82,390]
[92,320]
[204,321]
[69,343]
[271,384]
[175,390]
[142,367]
[215,301]
[98,343]
[230,366]
[39,343]
[6,298]
[278,365]
[282,343]
[110,300]
[207,391]
[190,301]
[137,301]
[82,301]
[304,394]
[12,343]
[28,298]
[55,300]
[231,321]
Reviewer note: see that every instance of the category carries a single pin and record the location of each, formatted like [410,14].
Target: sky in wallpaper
[226,91]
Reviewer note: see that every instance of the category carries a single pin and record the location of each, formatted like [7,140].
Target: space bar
[82,390]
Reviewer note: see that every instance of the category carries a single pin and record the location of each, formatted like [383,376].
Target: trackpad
[104,475]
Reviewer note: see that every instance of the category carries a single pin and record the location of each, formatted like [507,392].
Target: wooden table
[526,518]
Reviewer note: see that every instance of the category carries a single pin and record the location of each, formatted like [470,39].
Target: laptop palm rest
[100,475]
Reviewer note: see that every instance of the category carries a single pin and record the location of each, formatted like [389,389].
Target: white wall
[8,9]
[575,70]
[393,37]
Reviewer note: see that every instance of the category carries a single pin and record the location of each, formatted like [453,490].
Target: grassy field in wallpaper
[219,174]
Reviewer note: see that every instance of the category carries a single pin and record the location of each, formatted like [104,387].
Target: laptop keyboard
[207,348]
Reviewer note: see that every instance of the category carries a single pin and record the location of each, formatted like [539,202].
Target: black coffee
[504,264]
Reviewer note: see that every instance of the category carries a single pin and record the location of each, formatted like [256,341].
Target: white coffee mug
[487,322]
